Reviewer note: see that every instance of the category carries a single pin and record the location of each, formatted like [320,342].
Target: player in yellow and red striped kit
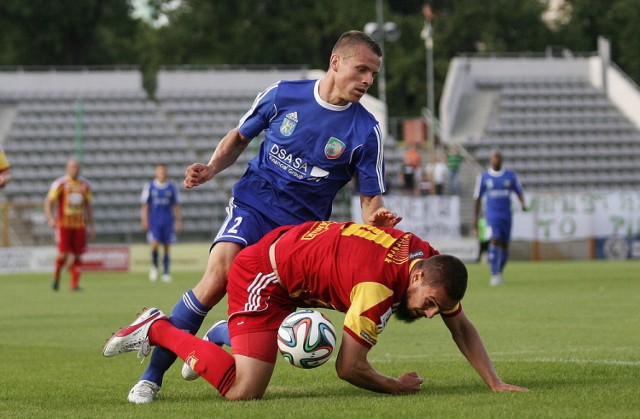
[367,272]
[72,195]
[5,169]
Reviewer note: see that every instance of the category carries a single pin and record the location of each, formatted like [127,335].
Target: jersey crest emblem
[334,148]
[289,124]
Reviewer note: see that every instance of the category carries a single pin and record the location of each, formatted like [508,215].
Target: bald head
[73,168]
[495,160]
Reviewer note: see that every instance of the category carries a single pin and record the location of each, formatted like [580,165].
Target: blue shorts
[499,228]
[243,225]
[162,233]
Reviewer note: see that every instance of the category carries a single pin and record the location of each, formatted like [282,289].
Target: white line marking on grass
[390,358]
[583,361]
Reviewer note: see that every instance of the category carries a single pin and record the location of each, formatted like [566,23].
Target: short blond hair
[351,39]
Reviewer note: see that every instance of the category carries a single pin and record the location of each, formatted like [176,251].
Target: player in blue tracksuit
[317,137]
[160,217]
[496,185]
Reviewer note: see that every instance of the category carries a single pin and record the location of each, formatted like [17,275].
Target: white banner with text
[42,259]
[429,217]
[556,217]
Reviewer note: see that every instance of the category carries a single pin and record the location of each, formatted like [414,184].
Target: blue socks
[166,261]
[497,259]
[504,258]
[220,335]
[154,257]
[494,259]
[188,314]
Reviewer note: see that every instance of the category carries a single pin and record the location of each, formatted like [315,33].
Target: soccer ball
[306,338]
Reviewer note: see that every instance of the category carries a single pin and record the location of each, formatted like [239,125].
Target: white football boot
[496,280]
[134,337]
[143,392]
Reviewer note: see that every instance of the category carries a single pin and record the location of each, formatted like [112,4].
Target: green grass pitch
[568,331]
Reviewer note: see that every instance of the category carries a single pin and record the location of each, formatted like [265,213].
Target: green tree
[289,32]
[625,20]
[459,26]
[282,32]
[617,20]
[71,32]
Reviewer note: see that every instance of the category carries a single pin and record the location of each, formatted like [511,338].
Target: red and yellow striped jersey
[71,197]
[310,261]
[4,163]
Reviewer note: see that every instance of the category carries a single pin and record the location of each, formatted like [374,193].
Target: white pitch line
[612,362]
[584,361]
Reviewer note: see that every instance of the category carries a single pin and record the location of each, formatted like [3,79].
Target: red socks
[59,265]
[74,271]
[75,274]
[211,362]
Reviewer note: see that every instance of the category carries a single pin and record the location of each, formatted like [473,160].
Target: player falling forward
[369,273]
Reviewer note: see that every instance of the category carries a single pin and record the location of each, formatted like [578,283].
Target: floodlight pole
[382,83]
[79,129]
[381,32]
[428,44]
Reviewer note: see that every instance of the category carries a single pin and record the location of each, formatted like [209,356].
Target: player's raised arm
[468,340]
[352,366]
[225,154]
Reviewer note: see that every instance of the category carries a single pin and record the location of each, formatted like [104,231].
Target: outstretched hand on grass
[504,387]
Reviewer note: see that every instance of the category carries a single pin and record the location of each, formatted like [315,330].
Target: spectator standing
[317,138]
[438,174]
[71,195]
[496,185]
[161,218]
[411,170]
[454,161]
[483,240]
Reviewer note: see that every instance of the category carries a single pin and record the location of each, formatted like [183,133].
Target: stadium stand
[203,105]
[562,134]
[563,123]
[102,117]
[107,119]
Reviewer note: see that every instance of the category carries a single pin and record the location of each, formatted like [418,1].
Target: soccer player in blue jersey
[160,217]
[317,138]
[496,185]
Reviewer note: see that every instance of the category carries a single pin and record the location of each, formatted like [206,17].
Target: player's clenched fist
[410,382]
[197,174]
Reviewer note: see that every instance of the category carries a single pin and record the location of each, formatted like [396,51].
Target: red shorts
[71,240]
[257,303]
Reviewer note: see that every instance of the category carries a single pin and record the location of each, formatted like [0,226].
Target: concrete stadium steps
[560,135]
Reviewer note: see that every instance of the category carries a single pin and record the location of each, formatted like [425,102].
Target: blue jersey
[161,197]
[311,149]
[497,188]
